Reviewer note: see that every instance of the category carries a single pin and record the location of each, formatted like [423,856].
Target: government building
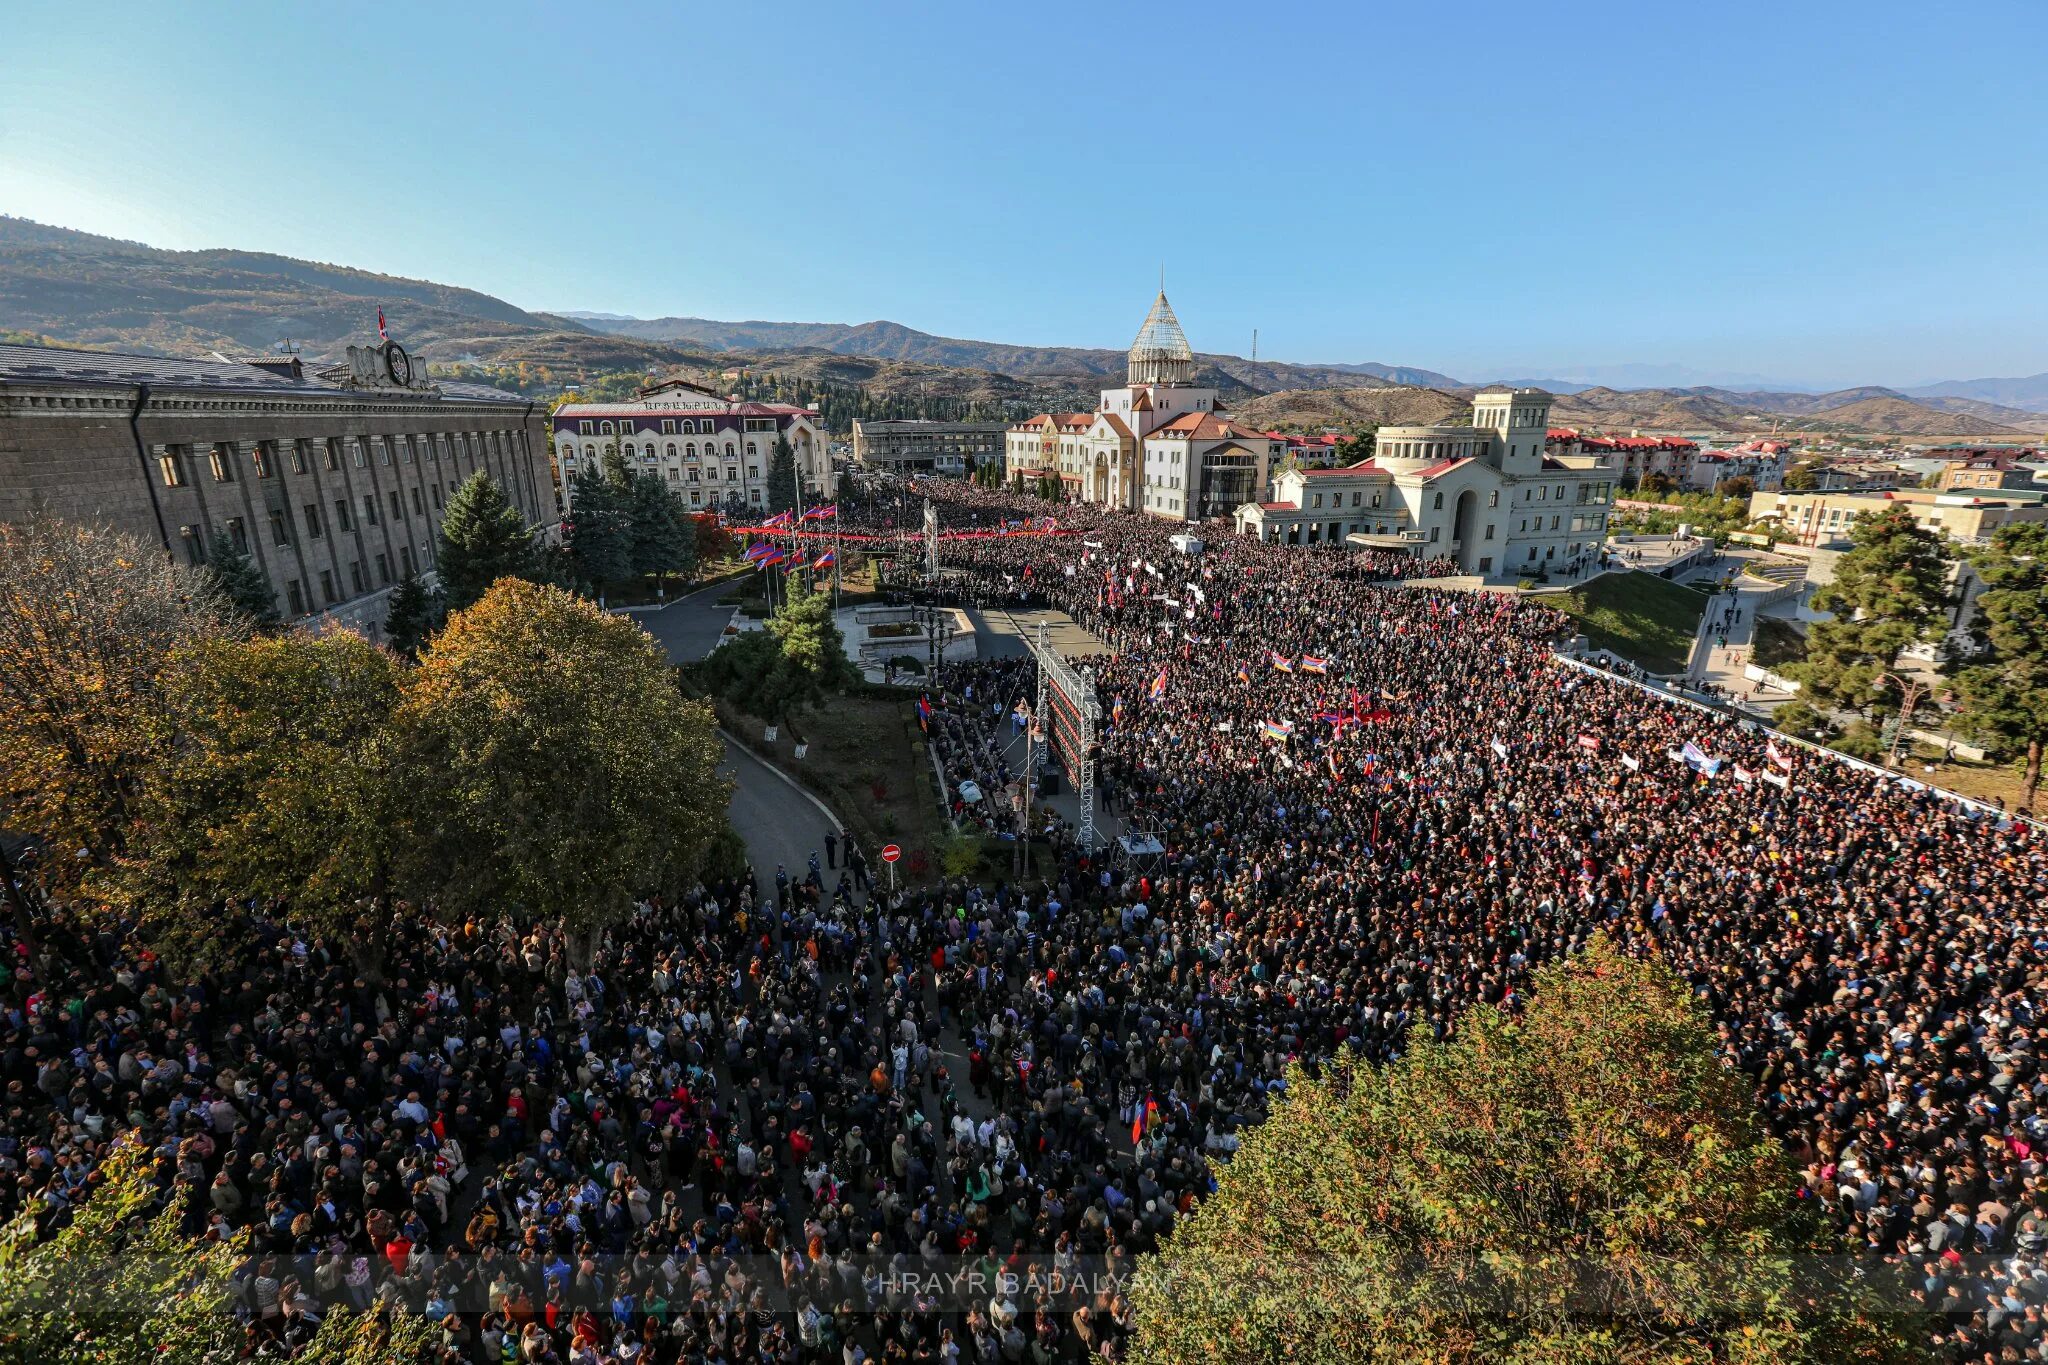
[715,451]
[1498,496]
[332,479]
[1160,445]
[906,446]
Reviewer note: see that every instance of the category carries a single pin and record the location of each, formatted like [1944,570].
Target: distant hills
[99,291]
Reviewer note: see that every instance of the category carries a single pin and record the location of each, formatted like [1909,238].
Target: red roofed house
[1159,445]
[1492,495]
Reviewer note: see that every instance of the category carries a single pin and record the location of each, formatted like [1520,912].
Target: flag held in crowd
[1591,743]
[1311,663]
[1280,661]
[1696,758]
[1159,685]
[1276,729]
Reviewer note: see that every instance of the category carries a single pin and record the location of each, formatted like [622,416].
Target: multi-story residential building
[1988,469]
[920,447]
[1161,444]
[1632,458]
[332,479]
[1763,463]
[1969,516]
[716,451]
[1494,495]
[1855,476]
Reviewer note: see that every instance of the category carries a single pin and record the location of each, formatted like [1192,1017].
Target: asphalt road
[689,626]
[779,823]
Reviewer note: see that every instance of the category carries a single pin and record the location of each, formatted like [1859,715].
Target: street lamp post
[1911,691]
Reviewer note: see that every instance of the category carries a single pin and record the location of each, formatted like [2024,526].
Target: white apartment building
[1160,445]
[1494,496]
[716,451]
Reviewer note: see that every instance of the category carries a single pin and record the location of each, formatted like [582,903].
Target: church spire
[1161,354]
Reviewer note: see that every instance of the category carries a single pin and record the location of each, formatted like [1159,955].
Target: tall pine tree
[483,539]
[600,530]
[664,536]
[2003,688]
[413,614]
[1888,593]
[241,582]
[783,491]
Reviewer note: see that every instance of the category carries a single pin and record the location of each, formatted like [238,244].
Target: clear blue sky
[1808,191]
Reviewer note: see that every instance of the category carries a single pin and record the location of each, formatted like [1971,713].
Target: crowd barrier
[1748,722]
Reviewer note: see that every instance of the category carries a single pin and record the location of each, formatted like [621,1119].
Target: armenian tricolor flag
[825,560]
[758,551]
[1276,729]
[825,513]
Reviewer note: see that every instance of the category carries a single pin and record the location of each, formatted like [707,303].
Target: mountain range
[102,292]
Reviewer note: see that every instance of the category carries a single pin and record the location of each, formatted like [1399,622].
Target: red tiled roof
[1441,467]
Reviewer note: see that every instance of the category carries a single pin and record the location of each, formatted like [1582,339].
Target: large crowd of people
[794,1121]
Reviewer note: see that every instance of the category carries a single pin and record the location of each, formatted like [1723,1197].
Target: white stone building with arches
[1491,496]
[714,451]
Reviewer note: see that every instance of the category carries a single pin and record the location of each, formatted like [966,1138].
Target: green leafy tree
[278,786]
[2003,689]
[664,535]
[119,1284]
[1800,479]
[783,490]
[1358,447]
[88,617]
[1888,593]
[554,768]
[1586,1182]
[413,614]
[483,539]
[600,530]
[240,582]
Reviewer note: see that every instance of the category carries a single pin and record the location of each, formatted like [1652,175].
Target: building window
[584,428]
[419,506]
[280,534]
[732,474]
[331,455]
[668,428]
[327,586]
[238,535]
[296,596]
[355,576]
[405,559]
[1432,534]
[369,509]
[171,466]
[437,497]
[194,543]
[266,463]
[1493,498]
[341,517]
[312,521]
[397,507]
[383,449]
[1489,530]
[1438,504]
[405,445]
[695,497]
[383,568]
[222,462]
[753,471]
[355,450]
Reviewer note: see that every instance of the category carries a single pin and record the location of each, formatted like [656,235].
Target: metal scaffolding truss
[1056,675]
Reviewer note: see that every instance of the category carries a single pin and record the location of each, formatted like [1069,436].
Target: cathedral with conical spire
[1161,355]
[1160,445]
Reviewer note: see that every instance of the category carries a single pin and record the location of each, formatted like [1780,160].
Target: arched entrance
[1462,529]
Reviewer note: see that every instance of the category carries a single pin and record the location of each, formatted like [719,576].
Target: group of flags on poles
[762,555]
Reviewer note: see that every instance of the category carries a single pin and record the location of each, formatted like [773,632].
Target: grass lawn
[1638,616]
[867,760]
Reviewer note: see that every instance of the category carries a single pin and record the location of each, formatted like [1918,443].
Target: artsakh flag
[1159,685]
[382,335]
